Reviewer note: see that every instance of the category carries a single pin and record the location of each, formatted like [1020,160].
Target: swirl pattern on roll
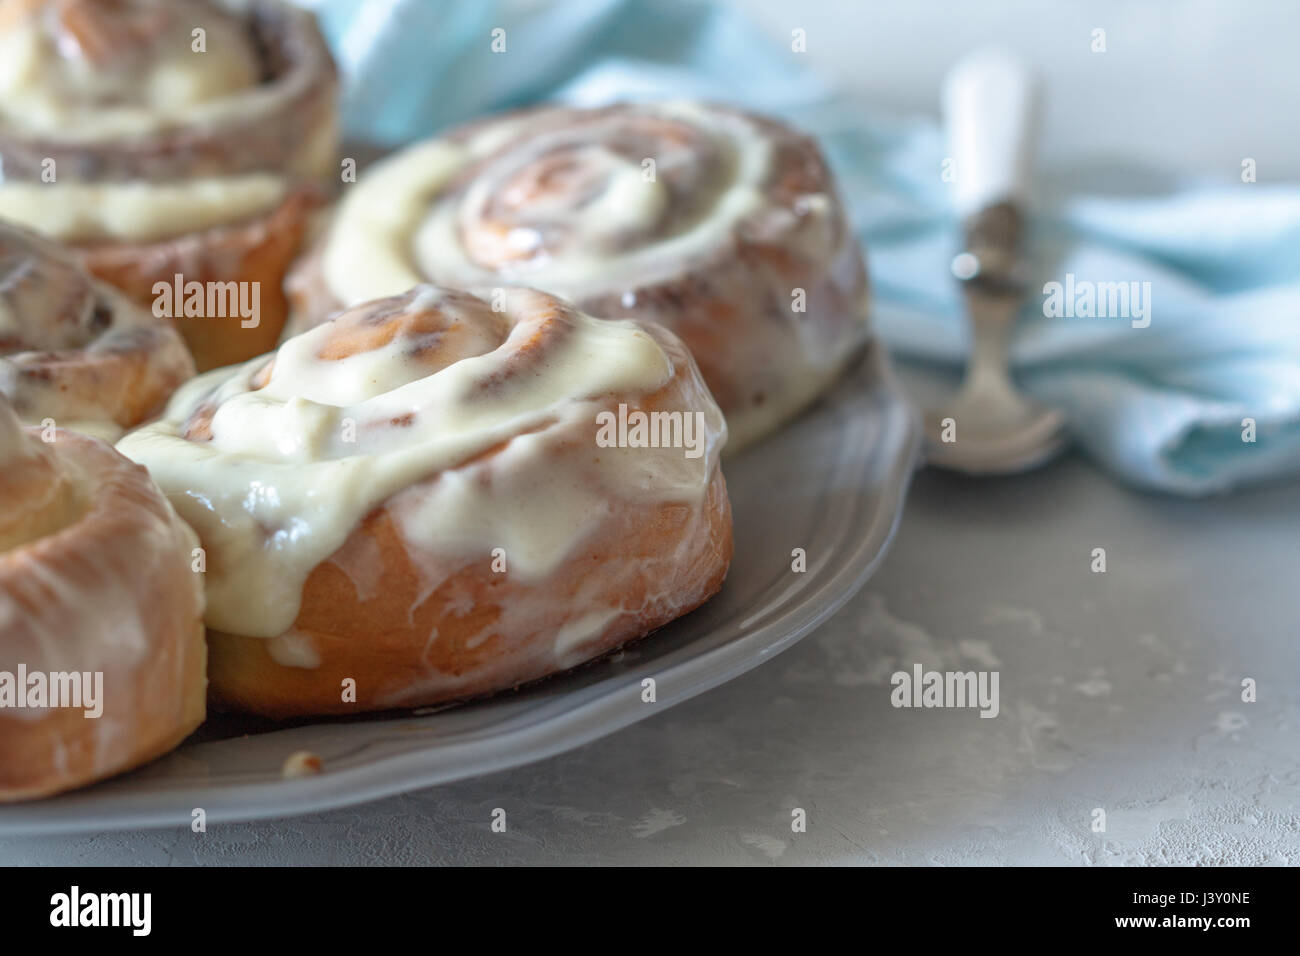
[723,226]
[166,138]
[96,581]
[114,92]
[75,350]
[352,489]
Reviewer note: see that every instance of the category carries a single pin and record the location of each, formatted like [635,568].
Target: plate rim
[574,727]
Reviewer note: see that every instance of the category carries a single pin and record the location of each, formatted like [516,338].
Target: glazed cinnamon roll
[102,656]
[176,145]
[722,226]
[436,496]
[74,351]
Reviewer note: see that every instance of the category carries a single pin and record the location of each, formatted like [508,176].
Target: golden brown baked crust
[382,640]
[282,128]
[95,576]
[258,251]
[411,607]
[75,350]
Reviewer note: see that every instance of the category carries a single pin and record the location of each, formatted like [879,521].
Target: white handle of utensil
[988,104]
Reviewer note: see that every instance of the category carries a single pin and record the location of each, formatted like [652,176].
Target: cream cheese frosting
[143,120]
[391,231]
[296,453]
[76,71]
[138,211]
[710,221]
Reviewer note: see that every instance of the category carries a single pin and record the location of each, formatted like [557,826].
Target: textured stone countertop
[1119,691]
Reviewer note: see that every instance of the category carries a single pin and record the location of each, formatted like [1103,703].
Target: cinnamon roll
[102,654]
[174,144]
[722,226]
[74,351]
[439,495]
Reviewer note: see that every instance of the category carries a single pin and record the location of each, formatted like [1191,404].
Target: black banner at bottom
[216,904]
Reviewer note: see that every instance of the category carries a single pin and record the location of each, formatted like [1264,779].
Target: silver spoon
[989,427]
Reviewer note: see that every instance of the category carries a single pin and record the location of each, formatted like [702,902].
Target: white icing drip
[283,481]
[294,649]
[138,211]
[367,255]
[461,519]
[573,634]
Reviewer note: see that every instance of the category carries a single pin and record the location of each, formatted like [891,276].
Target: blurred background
[1150,109]
[1191,86]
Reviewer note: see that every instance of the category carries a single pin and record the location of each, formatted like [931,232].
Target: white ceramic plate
[832,483]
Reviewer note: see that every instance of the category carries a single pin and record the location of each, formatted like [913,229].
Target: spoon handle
[988,104]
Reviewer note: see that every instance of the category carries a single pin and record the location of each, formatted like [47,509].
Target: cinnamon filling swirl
[277,461]
[722,226]
[74,350]
[165,138]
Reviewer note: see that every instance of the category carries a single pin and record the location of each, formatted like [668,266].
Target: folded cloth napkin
[1166,324]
